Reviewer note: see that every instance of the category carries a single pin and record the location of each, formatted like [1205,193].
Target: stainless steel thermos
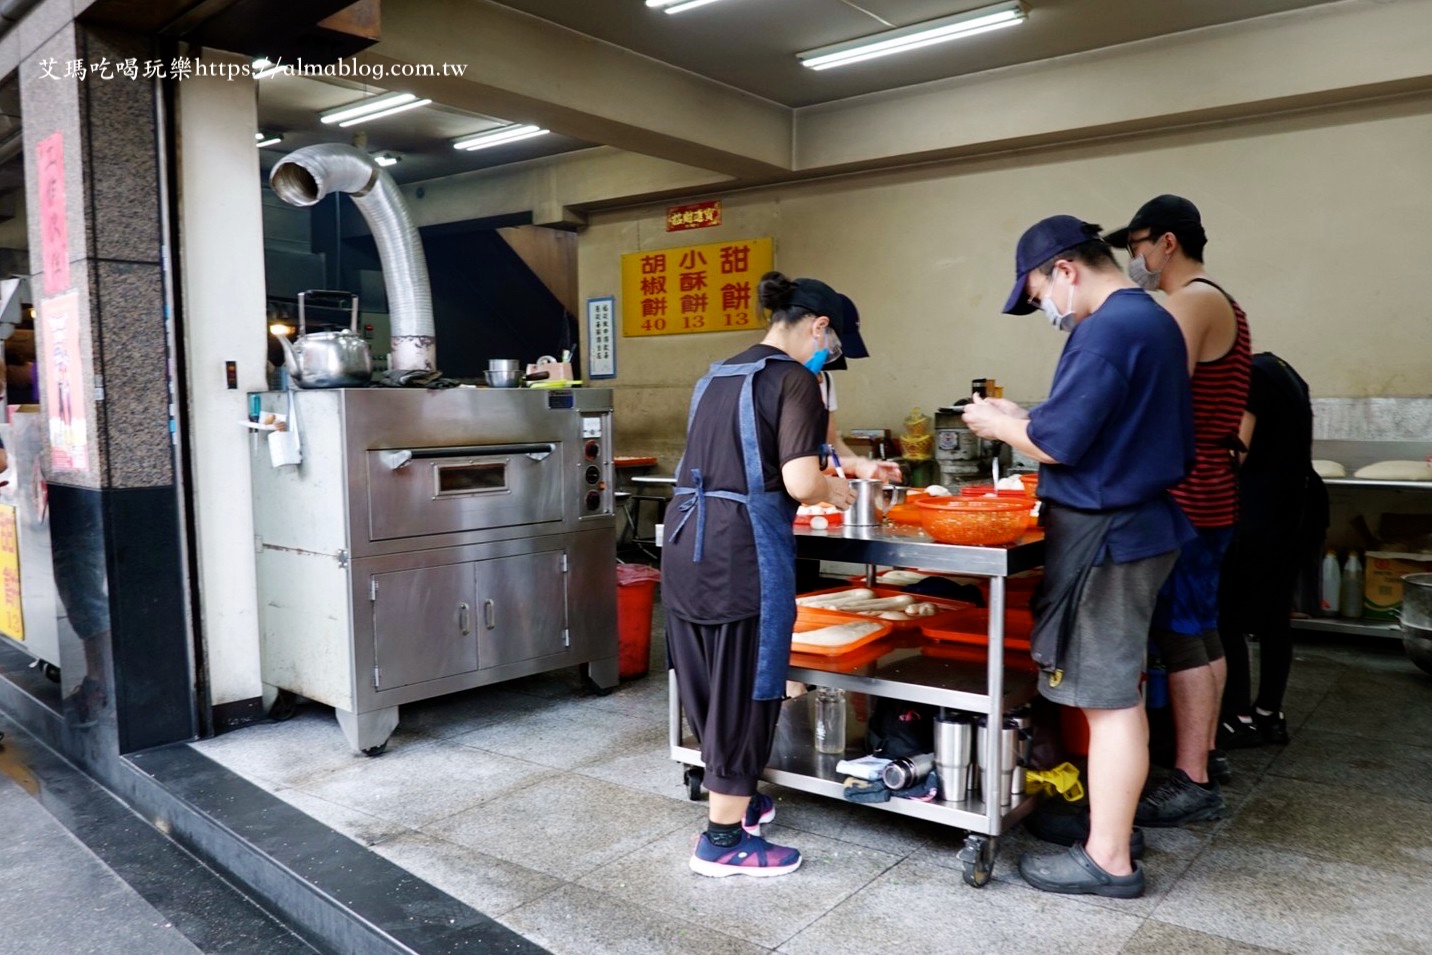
[954,747]
[959,755]
[907,771]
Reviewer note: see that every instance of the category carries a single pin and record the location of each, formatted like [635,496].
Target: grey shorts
[1105,656]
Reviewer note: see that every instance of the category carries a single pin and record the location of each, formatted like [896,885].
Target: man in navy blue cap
[1114,435]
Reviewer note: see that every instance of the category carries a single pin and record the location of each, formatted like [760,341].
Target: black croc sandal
[1074,873]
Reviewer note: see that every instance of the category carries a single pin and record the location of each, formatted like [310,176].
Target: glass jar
[828,719]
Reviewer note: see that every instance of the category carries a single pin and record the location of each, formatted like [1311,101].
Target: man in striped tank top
[1166,240]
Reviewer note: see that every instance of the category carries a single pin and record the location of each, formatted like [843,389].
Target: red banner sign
[702,215]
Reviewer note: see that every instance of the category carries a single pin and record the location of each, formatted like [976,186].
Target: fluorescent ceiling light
[677,6]
[498,137]
[267,139]
[265,68]
[972,22]
[386,159]
[373,108]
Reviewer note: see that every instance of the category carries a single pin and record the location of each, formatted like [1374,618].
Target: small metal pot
[504,364]
[1417,619]
[511,379]
[504,378]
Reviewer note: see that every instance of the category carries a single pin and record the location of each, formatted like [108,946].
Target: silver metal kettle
[328,359]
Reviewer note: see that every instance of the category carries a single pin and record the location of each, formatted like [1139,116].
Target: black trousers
[715,674]
[1260,572]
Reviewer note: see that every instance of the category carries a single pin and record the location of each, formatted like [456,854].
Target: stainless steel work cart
[904,673]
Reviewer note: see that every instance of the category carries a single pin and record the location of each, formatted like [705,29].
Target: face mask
[817,361]
[1144,278]
[1064,320]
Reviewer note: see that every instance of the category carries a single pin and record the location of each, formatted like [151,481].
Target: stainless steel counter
[898,545]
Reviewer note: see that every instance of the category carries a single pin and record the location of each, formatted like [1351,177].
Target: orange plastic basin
[978,522]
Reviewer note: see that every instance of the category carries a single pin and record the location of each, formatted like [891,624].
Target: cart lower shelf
[795,764]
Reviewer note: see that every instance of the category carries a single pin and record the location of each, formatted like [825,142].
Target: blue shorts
[1188,601]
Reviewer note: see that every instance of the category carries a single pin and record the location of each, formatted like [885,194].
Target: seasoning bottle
[1352,587]
[1331,589]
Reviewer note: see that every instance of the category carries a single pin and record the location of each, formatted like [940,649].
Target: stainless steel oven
[432,541]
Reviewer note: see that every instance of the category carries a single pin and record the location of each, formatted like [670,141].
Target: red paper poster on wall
[62,375]
[54,226]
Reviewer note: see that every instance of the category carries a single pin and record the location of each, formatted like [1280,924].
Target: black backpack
[898,728]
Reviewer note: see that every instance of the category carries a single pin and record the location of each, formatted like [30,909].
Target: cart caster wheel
[52,673]
[693,777]
[285,704]
[378,750]
[978,859]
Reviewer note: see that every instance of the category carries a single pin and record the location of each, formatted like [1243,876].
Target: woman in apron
[753,454]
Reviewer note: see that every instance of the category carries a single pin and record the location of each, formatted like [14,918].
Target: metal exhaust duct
[306,175]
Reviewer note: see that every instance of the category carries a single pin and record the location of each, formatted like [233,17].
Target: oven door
[450,490]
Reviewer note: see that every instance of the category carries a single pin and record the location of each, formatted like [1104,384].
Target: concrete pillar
[92,176]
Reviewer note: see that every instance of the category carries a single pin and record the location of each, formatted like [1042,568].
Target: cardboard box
[1382,581]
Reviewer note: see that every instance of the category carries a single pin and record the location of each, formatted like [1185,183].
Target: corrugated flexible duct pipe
[306,175]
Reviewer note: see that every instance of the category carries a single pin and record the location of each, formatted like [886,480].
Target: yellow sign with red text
[12,617]
[698,288]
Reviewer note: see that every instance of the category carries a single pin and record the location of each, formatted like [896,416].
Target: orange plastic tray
[846,661]
[816,619]
[972,627]
[1016,660]
[948,607]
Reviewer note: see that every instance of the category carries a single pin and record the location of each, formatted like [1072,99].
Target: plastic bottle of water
[1331,589]
[1352,587]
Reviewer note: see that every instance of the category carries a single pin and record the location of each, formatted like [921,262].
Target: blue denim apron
[770,514]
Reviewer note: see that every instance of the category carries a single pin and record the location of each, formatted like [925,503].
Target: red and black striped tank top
[1209,494]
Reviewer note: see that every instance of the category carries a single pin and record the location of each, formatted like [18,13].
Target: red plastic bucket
[636,594]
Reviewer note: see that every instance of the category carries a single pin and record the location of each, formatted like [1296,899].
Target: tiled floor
[560,815]
[57,896]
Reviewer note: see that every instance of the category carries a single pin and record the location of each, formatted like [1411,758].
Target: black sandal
[1074,873]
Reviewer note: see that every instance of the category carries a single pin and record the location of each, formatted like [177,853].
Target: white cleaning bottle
[1352,587]
[1331,587]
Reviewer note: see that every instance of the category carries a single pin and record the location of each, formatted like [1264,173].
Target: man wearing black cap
[1114,435]
[1166,240]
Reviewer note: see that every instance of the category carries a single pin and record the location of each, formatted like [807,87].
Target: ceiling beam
[528,70]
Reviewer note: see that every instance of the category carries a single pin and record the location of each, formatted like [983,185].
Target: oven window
[471,478]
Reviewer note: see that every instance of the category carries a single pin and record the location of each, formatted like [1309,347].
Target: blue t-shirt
[1119,420]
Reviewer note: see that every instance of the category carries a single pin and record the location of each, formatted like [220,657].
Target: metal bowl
[504,364]
[504,379]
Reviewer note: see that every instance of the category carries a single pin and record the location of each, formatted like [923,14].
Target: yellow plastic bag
[1062,779]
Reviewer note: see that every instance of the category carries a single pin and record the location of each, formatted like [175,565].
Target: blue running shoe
[759,811]
[751,856]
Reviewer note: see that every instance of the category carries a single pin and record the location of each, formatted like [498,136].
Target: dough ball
[1396,471]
